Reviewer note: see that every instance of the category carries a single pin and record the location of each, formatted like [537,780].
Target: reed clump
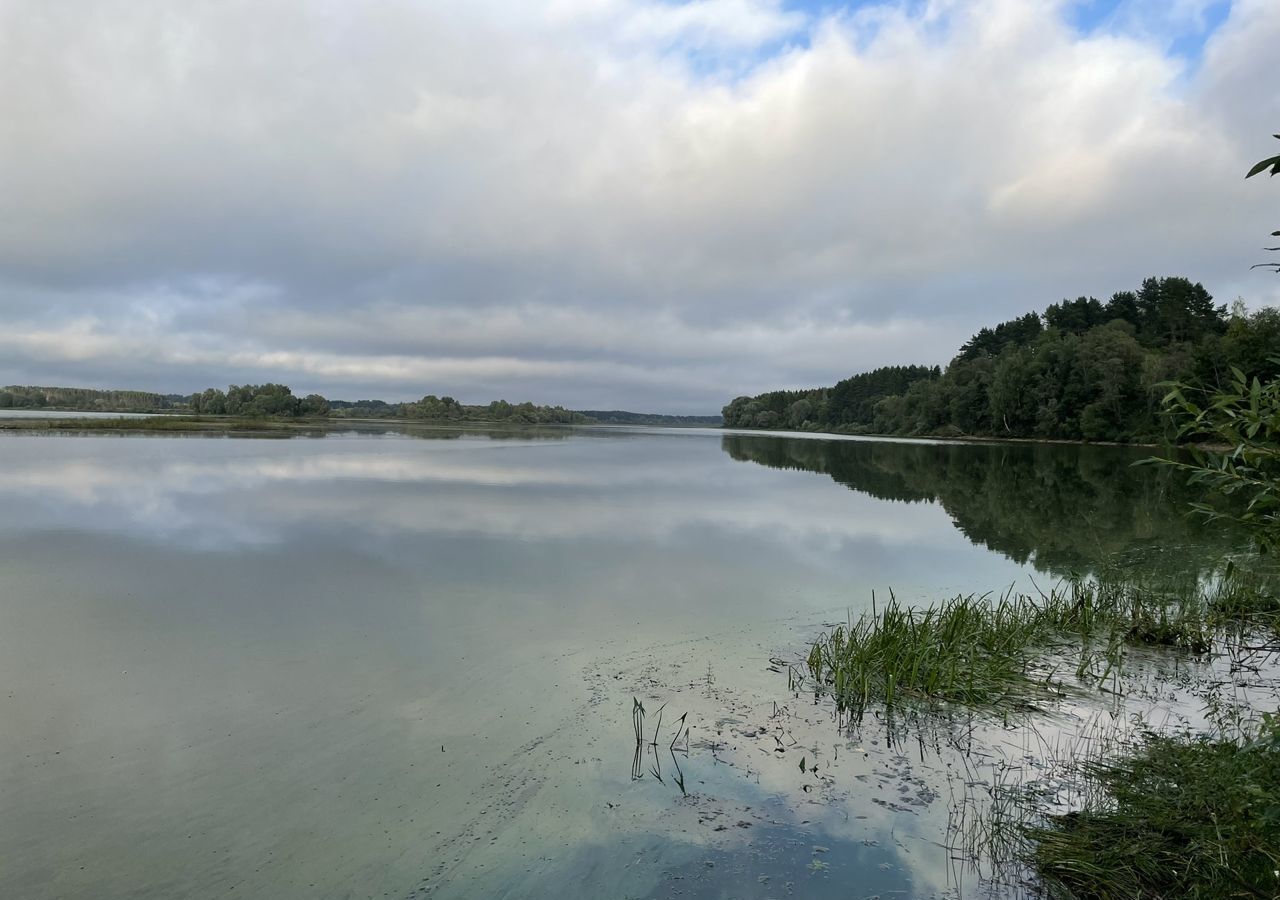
[992,652]
[968,650]
[1177,817]
[1248,596]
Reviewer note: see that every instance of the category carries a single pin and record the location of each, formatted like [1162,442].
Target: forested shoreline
[1081,370]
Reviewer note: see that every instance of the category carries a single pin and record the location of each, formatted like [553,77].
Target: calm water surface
[403,664]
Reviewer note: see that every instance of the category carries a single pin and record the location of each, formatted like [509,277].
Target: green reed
[996,652]
[1177,816]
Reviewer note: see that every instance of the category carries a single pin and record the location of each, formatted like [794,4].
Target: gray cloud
[599,202]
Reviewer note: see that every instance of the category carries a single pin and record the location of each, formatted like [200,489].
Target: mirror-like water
[398,664]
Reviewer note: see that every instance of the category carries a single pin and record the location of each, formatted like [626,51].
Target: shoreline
[953,439]
[146,423]
[170,423]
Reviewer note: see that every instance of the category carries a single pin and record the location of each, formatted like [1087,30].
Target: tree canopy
[1084,369]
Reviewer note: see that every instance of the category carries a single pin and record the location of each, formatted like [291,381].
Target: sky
[637,204]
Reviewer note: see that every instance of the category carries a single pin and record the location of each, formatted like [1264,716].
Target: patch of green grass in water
[967,651]
[988,652]
[1176,817]
[1172,816]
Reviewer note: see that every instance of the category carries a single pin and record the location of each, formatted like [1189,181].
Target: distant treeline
[622,417]
[1082,370]
[30,397]
[446,409]
[277,401]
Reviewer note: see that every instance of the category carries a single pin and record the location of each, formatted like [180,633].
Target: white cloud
[599,202]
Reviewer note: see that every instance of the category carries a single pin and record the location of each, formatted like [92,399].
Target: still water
[402,664]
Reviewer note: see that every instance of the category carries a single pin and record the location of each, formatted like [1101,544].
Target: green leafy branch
[1239,427]
[1274,165]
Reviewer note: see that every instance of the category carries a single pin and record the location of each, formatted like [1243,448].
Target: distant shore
[949,438]
[170,423]
[160,423]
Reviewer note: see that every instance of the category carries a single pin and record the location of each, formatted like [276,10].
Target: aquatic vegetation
[655,769]
[1176,817]
[968,650]
[1006,652]
[1129,810]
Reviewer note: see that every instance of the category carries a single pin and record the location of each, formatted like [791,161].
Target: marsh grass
[165,423]
[1177,816]
[968,651]
[1004,652]
[1124,811]
[1247,599]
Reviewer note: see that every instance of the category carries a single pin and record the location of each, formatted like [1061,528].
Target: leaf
[1273,164]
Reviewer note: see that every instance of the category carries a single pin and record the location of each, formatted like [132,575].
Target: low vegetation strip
[147,423]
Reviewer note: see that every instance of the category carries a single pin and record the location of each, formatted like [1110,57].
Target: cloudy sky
[644,204]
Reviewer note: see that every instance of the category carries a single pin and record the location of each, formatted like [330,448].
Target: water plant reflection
[643,748]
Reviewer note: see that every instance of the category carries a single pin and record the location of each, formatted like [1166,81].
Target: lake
[402,663]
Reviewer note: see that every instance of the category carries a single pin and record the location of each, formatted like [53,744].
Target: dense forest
[1081,370]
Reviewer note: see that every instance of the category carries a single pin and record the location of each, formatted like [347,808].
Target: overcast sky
[605,203]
